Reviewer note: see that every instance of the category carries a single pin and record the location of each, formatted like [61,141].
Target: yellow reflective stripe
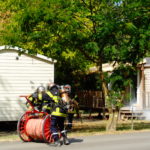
[40,96]
[46,107]
[49,94]
[30,98]
[57,109]
[58,114]
[55,98]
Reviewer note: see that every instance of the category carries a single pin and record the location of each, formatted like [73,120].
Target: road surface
[128,141]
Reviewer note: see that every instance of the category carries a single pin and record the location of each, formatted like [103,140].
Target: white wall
[139,92]
[143,97]
[147,79]
[147,87]
[20,77]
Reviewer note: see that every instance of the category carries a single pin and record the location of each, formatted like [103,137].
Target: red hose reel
[34,126]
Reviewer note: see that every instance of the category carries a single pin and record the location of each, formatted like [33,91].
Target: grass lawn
[94,127]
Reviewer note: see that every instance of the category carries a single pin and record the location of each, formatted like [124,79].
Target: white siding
[147,87]
[20,77]
[147,79]
[139,92]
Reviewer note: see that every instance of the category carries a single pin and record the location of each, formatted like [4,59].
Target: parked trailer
[20,75]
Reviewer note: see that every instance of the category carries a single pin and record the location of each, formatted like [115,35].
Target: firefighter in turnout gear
[72,109]
[40,100]
[58,115]
[36,98]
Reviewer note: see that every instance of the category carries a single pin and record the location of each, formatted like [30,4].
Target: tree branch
[85,4]
[82,22]
[87,56]
[91,10]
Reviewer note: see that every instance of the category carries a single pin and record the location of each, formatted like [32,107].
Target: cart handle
[26,97]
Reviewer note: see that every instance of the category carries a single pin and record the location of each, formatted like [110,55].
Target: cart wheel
[47,135]
[21,128]
[46,129]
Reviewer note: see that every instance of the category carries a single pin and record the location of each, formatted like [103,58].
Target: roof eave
[6,47]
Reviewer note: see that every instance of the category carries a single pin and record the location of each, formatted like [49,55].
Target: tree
[122,79]
[100,30]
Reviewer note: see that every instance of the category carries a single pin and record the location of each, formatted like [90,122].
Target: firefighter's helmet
[52,85]
[67,88]
[41,89]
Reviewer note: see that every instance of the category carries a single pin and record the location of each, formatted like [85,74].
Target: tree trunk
[104,88]
[113,113]
[113,119]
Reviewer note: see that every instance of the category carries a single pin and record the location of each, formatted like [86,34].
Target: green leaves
[122,77]
[80,32]
[92,47]
[115,99]
[130,27]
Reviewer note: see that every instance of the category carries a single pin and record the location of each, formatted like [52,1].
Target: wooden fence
[91,99]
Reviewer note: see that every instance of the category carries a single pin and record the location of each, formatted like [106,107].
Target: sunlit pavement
[128,141]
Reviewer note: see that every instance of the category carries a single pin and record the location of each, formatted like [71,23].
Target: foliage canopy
[79,33]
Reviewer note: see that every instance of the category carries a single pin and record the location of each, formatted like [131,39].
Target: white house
[143,85]
[20,75]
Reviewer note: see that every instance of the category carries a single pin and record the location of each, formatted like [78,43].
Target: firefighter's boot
[65,139]
[57,143]
[56,139]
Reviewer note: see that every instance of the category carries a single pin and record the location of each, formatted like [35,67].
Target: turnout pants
[57,124]
[70,120]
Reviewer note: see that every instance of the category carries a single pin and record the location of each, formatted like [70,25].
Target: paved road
[130,141]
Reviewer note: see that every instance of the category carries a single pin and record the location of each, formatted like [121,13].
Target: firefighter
[58,115]
[40,100]
[73,108]
[36,98]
